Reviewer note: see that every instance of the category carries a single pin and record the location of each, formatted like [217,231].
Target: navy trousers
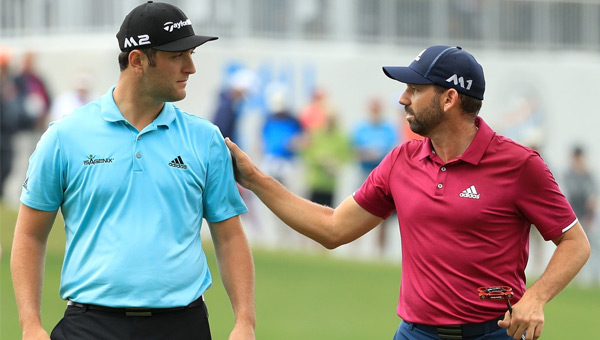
[407,331]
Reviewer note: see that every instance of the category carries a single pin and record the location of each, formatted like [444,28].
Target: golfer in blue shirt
[134,177]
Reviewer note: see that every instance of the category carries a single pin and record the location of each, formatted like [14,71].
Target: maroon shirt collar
[474,152]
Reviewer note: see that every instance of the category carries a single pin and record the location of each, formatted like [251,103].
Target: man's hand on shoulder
[243,167]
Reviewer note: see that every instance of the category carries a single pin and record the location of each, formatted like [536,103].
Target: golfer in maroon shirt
[465,198]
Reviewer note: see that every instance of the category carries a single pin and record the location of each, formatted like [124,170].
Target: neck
[450,142]
[137,108]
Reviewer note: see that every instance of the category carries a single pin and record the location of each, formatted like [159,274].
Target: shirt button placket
[137,166]
[441,179]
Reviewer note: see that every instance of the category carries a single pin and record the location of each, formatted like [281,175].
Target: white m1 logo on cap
[143,39]
[418,57]
[460,81]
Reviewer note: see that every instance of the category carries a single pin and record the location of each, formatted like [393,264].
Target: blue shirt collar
[110,111]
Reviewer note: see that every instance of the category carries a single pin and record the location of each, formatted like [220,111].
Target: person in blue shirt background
[373,138]
[134,178]
[281,137]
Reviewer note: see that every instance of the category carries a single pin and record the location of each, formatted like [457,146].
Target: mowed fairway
[299,296]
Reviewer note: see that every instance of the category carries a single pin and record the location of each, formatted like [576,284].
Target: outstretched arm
[328,226]
[27,267]
[572,251]
[237,273]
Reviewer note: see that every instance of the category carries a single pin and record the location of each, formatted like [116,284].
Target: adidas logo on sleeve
[178,163]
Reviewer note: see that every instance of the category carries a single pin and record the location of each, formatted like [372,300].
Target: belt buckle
[449,332]
[138,311]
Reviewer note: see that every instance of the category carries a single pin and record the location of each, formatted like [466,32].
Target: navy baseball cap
[161,26]
[447,66]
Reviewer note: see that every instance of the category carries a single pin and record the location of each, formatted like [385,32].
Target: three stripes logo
[470,192]
[178,163]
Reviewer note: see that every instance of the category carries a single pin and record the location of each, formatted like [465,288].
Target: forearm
[27,267]
[308,218]
[572,251]
[328,226]
[568,259]
[236,268]
[27,264]
[238,278]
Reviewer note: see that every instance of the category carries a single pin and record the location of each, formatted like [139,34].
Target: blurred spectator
[525,121]
[230,102]
[581,191]
[313,116]
[326,151]
[13,117]
[580,188]
[67,102]
[37,97]
[372,140]
[280,135]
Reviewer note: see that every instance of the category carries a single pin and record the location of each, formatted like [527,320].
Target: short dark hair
[124,57]
[468,104]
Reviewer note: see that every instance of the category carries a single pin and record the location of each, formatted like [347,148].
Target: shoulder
[195,121]
[81,117]
[196,127]
[508,149]
[409,152]
[510,156]
[412,146]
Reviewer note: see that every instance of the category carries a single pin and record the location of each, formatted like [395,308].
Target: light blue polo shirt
[133,202]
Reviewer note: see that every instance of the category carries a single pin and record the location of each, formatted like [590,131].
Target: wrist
[31,323]
[535,296]
[33,331]
[248,321]
[258,182]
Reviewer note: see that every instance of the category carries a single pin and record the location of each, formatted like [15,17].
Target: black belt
[460,332]
[135,311]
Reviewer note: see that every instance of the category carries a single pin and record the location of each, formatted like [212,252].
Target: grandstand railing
[523,24]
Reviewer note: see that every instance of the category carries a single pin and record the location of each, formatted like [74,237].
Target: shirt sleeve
[375,195]
[44,184]
[222,198]
[541,201]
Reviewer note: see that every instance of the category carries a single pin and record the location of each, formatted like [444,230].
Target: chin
[177,97]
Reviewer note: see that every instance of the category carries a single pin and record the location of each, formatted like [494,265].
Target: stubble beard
[426,120]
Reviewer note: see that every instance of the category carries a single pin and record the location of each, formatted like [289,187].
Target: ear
[136,61]
[450,99]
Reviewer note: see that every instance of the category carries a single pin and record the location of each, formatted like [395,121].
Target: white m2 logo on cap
[460,80]
[143,39]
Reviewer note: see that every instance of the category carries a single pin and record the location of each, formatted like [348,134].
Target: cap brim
[405,75]
[185,44]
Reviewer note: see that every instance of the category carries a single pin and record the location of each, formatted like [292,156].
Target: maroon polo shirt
[465,223]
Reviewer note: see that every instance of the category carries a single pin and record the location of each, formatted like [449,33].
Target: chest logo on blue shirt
[470,192]
[178,163]
[92,160]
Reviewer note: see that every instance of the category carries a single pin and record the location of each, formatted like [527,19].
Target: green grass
[298,296]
